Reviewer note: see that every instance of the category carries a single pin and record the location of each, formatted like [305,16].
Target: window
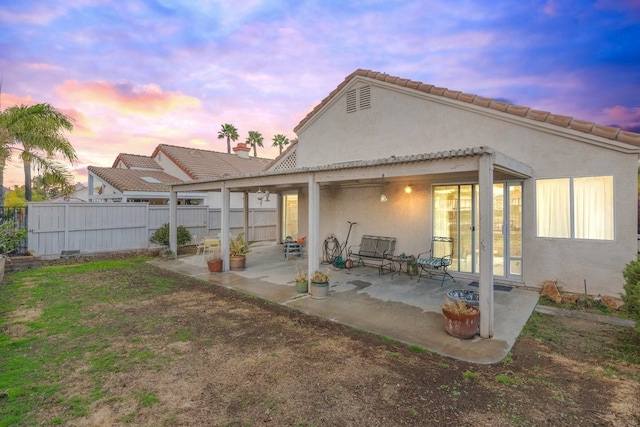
[581,208]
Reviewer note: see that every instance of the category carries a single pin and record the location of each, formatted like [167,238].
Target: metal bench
[373,251]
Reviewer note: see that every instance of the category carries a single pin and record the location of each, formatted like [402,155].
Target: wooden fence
[56,229]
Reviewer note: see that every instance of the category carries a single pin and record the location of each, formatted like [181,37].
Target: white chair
[208,245]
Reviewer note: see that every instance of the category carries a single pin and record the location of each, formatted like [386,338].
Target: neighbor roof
[133,179]
[200,164]
[567,122]
[136,161]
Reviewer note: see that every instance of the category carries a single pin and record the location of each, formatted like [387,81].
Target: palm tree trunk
[3,163]
[27,179]
[228,145]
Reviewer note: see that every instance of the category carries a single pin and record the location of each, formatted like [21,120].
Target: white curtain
[553,210]
[593,207]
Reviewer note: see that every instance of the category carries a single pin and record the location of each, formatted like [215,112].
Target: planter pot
[237,262]
[461,325]
[215,266]
[302,287]
[319,290]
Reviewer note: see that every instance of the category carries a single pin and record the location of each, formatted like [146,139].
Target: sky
[140,73]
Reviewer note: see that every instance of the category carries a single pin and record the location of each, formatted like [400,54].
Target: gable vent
[351,101]
[365,97]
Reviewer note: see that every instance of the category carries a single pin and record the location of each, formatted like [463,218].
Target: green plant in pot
[302,284]
[320,284]
[10,238]
[214,261]
[238,250]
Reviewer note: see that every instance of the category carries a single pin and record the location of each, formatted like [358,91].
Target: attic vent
[150,180]
[351,101]
[365,97]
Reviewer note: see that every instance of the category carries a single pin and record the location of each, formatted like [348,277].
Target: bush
[10,237]
[631,296]
[161,236]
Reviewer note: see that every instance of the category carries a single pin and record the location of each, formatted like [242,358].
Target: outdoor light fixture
[408,189]
[260,195]
[383,197]
[266,196]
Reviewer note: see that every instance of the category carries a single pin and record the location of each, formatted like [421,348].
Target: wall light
[383,197]
[408,189]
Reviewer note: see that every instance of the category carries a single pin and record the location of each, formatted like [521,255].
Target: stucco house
[138,178]
[527,195]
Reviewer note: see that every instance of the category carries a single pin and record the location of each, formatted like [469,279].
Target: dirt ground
[225,359]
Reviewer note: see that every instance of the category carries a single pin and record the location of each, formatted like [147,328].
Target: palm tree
[255,140]
[280,141]
[230,132]
[39,129]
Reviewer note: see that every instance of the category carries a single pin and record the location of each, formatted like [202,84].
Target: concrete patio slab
[398,307]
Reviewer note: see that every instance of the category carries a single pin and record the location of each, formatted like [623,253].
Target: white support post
[314,226]
[245,213]
[485,178]
[173,221]
[224,227]
[278,218]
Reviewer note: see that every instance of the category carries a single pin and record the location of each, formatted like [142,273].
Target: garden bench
[373,251]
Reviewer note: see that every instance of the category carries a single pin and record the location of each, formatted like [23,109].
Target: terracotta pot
[237,262]
[461,325]
[215,266]
[319,290]
[302,287]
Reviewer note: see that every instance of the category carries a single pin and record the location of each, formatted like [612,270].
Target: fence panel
[57,228]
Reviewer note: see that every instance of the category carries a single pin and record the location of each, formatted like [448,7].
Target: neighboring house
[527,195]
[79,194]
[137,178]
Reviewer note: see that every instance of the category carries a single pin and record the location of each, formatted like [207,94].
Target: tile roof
[132,179]
[566,122]
[200,164]
[136,161]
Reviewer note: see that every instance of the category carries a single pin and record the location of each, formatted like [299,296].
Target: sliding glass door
[455,214]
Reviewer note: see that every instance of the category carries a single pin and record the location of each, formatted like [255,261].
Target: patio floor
[398,307]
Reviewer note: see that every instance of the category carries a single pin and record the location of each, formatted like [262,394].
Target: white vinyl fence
[67,228]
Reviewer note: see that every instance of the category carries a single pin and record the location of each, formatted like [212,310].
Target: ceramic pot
[461,325]
[215,266]
[319,290]
[302,287]
[237,262]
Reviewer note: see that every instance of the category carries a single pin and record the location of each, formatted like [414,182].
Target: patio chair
[208,245]
[437,259]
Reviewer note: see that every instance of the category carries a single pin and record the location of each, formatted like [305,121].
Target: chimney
[242,150]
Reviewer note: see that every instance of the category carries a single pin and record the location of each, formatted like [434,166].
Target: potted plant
[460,319]
[238,250]
[302,284]
[319,284]
[214,260]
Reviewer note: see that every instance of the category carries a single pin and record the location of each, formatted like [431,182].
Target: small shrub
[161,236]
[631,296]
[10,237]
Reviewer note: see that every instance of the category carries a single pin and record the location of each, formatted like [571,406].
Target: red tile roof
[201,164]
[567,122]
[132,179]
[136,161]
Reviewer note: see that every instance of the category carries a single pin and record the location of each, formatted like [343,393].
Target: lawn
[121,342]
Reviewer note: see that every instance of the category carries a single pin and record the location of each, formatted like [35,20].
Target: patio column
[245,213]
[485,178]
[278,218]
[224,226]
[173,221]
[314,225]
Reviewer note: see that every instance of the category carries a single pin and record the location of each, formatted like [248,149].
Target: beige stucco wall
[401,123]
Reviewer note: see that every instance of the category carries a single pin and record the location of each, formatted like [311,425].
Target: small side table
[400,261]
